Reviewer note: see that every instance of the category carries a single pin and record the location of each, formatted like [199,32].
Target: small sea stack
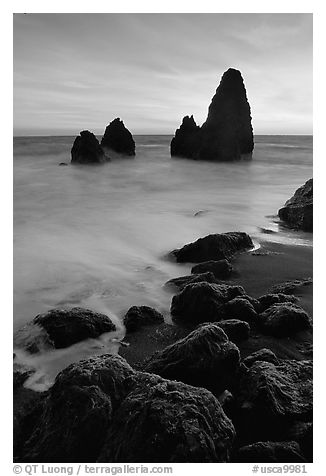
[118,138]
[227,133]
[297,212]
[87,150]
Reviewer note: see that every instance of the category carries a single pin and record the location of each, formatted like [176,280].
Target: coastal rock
[59,328]
[271,452]
[170,422]
[239,308]
[87,150]
[298,210]
[235,329]
[186,138]
[267,300]
[220,269]
[202,302]
[138,316]
[76,414]
[264,355]
[272,397]
[284,319]
[204,358]
[302,433]
[182,281]
[63,163]
[291,287]
[118,138]
[102,410]
[227,132]
[213,247]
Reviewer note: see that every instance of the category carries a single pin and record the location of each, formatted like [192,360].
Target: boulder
[240,308]
[267,300]
[118,138]
[291,287]
[102,410]
[272,398]
[261,355]
[284,319]
[182,281]
[139,316]
[235,330]
[302,433]
[227,132]
[297,212]
[170,422]
[59,328]
[271,452]
[204,358]
[220,269]
[87,150]
[213,247]
[74,420]
[202,302]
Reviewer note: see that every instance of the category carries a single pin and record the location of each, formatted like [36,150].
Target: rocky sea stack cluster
[297,212]
[117,138]
[227,133]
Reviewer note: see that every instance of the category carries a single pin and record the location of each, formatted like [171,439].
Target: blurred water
[97,236]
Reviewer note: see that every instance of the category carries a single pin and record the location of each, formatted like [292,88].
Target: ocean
[98,236]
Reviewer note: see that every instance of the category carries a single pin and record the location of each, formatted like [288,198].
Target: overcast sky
[80,71]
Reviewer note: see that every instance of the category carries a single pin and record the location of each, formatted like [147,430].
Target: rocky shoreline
[230,380]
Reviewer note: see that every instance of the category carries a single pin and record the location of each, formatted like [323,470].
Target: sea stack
[227,133]
[87,150]
[297,212]
[118,138]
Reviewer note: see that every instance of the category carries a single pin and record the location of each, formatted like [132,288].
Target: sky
[79,71]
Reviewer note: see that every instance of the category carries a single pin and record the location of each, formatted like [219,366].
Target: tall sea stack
[118,138]
[87,150]
[227,132]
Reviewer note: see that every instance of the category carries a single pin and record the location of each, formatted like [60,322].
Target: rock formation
[235,329]
[138,316]
[213,247]
[227,132]
[118,138]
[59,328]
[284,319]
[297,212]
[102,410]
[221,268]
[87,150]
[204,358]
[182,281]
[271,452]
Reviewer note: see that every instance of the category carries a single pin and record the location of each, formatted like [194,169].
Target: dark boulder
[186,138]
[227,132]
[138,316]
[170,422]
[102,410]
[204,358]
[298,210]
[220,269]
[272,397]
[267,300]
[240,308]
[271,452]
[87,150]
[302,433]
[75,416]
[235,330]
[59,328]
[63,163]
[264,355]
[291,287]
[118,138]
[213,247]
[284,319]
[182,281]
[202,302]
